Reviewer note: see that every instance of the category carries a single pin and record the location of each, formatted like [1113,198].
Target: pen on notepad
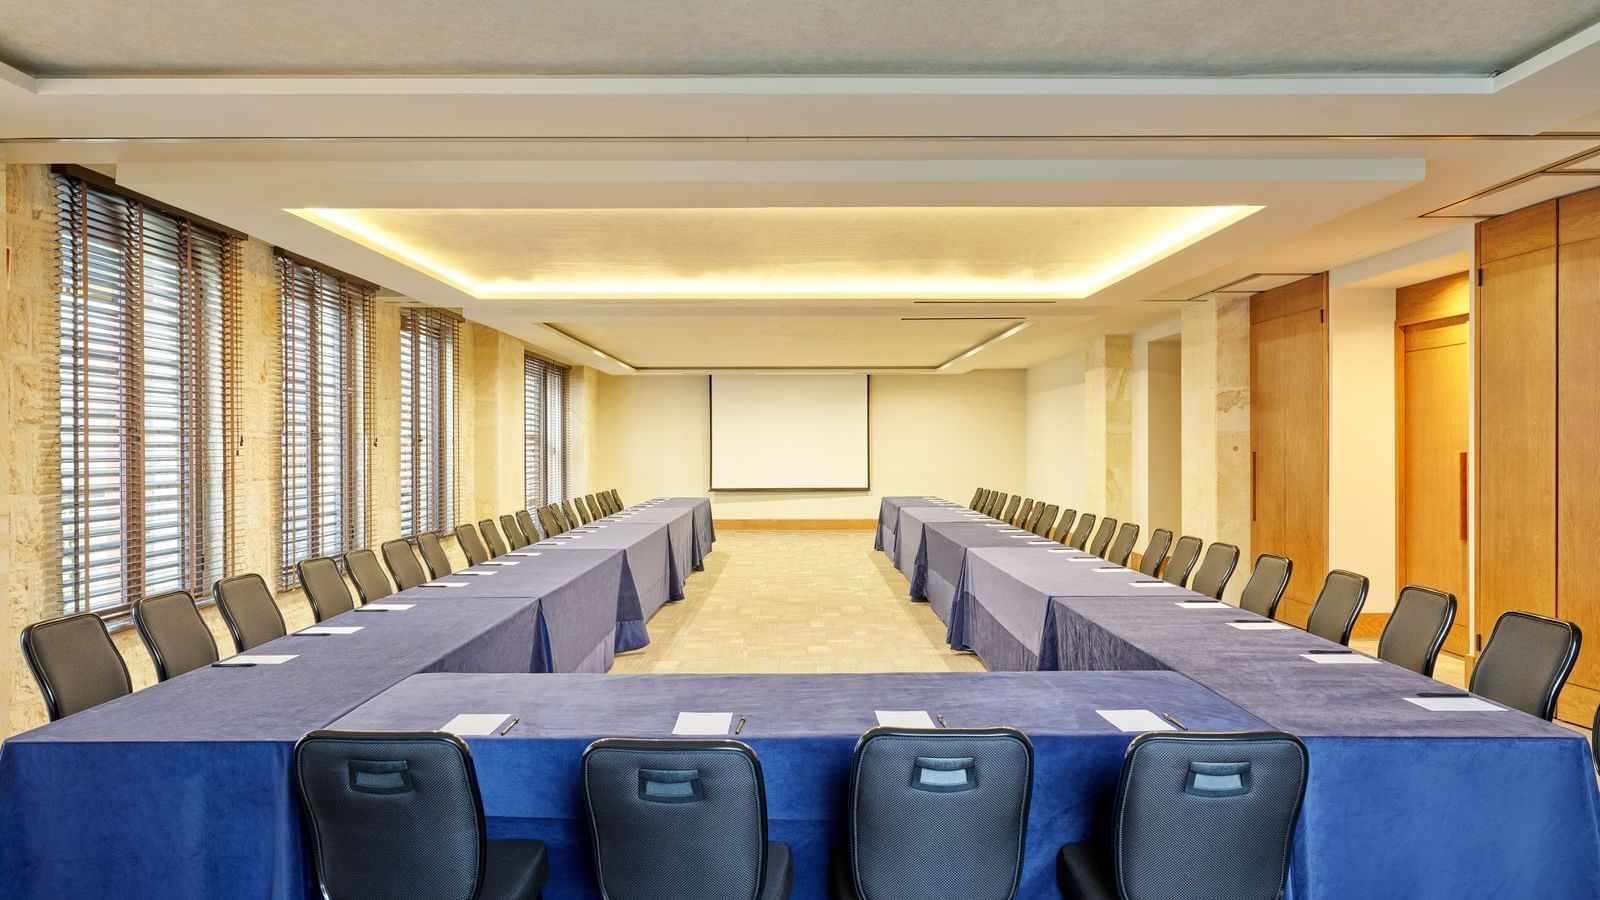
[1174,720]
[739,727]
[509,725]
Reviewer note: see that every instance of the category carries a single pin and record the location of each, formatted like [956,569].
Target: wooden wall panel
[1267,456]
[1578,445]
[1429,301]
[1514,234]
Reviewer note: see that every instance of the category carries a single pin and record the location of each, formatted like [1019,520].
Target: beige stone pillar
[1108,427]
[1216,422]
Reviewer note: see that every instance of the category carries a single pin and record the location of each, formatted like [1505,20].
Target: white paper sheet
[391,607]
[1041,542]
[1455,704]
[524,553]
[475,724]
[1088,559]
[995,525]
[1202,604]
[1340,659]
[1063,549]
[477,574]
[693,723]
[448,584]
[904,718]
[1140,720]
[1259,626]
[1110,569]
[264,659]
[502,562]
[1150,584]
[330,629]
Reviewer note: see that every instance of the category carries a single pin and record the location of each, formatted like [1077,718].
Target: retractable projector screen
[789,433]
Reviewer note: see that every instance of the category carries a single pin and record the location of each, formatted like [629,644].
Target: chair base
[515,870]
[780,872]
[1081,874]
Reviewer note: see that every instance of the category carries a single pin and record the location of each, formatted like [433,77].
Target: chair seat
[780,872]
[1083,875]
[515,870]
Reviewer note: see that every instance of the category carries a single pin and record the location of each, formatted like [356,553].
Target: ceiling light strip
[984,346]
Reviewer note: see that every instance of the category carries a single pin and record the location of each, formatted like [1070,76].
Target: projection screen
[789,432]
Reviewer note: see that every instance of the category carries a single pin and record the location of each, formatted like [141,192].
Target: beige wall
[1158,434]
[1055,411]
[931,434]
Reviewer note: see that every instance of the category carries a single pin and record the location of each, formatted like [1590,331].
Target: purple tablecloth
[705,532]
[647,582]
[679,521]
[889,519]
[804,727]
[943,553]
[912,520]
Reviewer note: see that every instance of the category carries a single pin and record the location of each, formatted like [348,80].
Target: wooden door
[1578,501]
[1436,393]
[1268,362]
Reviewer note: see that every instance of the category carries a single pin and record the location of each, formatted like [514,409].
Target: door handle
[1463,495]
[1252,485]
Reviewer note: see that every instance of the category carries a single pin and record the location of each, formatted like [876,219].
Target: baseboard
[797,524]
[1370,625]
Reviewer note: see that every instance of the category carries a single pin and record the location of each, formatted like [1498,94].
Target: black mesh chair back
[1526,662]
[372,581]
[977,496]
[403,565]
[491,536]
[1333,616]
[938,815]
[75,663]
[397,815]
[324,586]
[996,504]
[526,522]
[1023,512]
[433,554]
[1185,553]
[1043,517]
[1122,547]
[547,518]
[471,545]
[1417,628]
[1155,552]
[1010,511]
[606,506]
[174,633]
[1212,577]
[616,499]
[1063,532]
[1101,542]
[1262,593]
[513,529]
[576,514]
[595,512]
[680,820]
[1081,531]
[249,611]
[1200,816]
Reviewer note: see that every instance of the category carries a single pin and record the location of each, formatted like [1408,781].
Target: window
[145,295]
[327,401]
[544,426]
[428,354]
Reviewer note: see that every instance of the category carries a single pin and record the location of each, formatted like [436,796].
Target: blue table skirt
[647,580]
[804,727]
[681,545]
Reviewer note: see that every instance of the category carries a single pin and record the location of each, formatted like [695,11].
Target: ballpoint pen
[739,727]
[509,725]
[1174,720]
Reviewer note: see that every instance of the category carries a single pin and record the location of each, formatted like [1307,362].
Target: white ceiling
[822,37]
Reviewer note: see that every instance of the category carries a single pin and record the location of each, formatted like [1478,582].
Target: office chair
[249,611]
[977,496]
[525,521]
[1063,532]
[1155,552]
[1264,591]
[1526,662]
[1102,537]
[1043,517]
[547,518]
[403,565]
[75,663]
[1011,509]
[433,554]
[1216,569]
[471,545]
[513,530]
[491,536]
[1122,547]
[324,587]
[1338,604]
[1185,553]
[1081,532]
[372,582]
[1023,513]
[174,634]
[576,513]
[1417,628]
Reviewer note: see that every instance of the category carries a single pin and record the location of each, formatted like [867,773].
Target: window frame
[430,359]
[543,408]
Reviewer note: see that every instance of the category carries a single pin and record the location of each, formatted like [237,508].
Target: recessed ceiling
[662,37]
[790,252]
[776,342]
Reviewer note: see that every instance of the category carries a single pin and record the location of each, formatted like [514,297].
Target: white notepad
[380,607]
[1455,704]
[692,723]
[1150,584]
[995,525]
[1063,549]
[532,553]
[1258,626]
[1202,604]
[330,629]
[262,660]
[475,724]
[1017,537]
[1135,720]
[499,562]
[904,718]
[1340,659]
[1041,542]
[549,543]
[1093,559]
[450,584]
[1110,569]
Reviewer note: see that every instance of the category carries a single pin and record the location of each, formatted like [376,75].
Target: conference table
[804,728]
[1402,800]
[183,789]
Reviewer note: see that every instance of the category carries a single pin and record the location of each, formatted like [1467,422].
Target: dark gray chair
[1338,604]
[616,498]
[1122,547]
[568,518]
[174,633]
[1101,542]
[1155,552]
[681,820]
[1023,512]
[1197,816]
[75,663]
[1063,530]
[1043,517]
[1526,662]
[491,536]
[397,816]
[249,611]
[1417,628]
[529,531]
[604,500]
[403,564]
[953,830]
[471,545]
[1081,532]
[1212,577]
[439,564]
[1010,511]
[1263,592]
[595,512]
[547,518]
[513,530]
[1185,553]
[372,581]
[573,516]
[977,497]
[324,586]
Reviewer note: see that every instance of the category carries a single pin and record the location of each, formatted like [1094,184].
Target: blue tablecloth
[943,553]
[647,582]
[804,727]
[889,519]
[705,532]
[913,519]
[679,521]
[182,790]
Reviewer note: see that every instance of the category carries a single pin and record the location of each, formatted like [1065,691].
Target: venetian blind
[429,354]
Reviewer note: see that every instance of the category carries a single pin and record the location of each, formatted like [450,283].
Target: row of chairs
[933,814]
[78,666]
